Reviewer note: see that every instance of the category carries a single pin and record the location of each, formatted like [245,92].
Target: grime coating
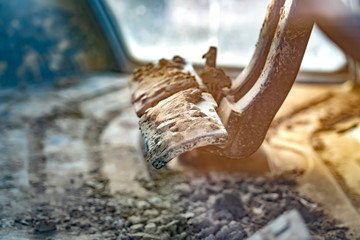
[180,123]
[153,83]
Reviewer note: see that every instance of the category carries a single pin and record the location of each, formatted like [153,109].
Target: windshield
[162,28]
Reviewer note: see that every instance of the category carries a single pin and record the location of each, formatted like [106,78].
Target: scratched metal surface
[42,41]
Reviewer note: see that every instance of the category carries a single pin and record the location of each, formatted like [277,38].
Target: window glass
[163,28]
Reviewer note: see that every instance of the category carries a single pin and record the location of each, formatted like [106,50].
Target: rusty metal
[247,78]
[248,119]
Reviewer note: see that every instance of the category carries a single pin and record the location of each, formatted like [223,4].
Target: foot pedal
[176,116]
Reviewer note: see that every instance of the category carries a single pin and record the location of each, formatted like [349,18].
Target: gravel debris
[235,211]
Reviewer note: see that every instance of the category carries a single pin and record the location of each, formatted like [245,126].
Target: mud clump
[152,83]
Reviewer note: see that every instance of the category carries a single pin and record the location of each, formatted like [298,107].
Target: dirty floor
[72,167]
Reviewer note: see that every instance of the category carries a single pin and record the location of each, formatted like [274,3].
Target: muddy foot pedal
[176,112]
[180,123]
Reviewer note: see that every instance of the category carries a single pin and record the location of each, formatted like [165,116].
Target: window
[163,28]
